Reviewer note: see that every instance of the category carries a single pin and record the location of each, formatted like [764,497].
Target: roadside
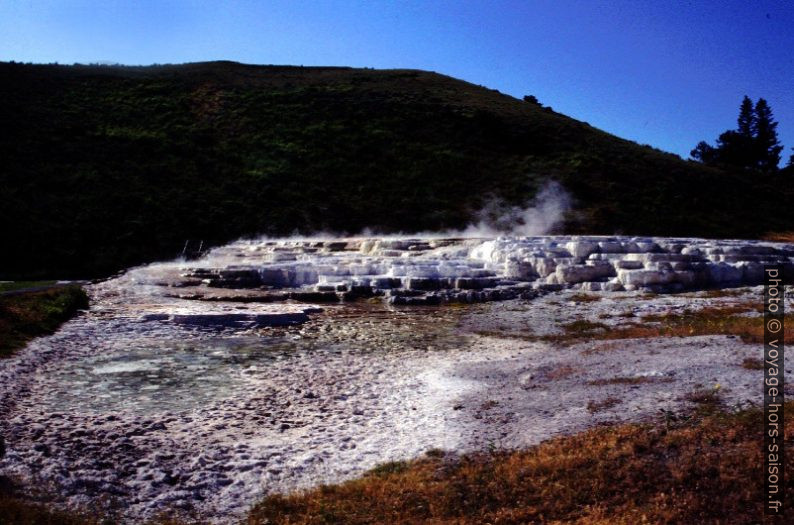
[30,309]
[22,287]
[33,311]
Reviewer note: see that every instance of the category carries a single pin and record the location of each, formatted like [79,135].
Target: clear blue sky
[667,74]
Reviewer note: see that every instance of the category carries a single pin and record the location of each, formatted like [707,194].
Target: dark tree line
[752,146]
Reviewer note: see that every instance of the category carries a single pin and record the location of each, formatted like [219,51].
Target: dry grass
[526,335]
[582,326]
[700,470]
[629,380]
[561,372]
[779,236]
[707,398]
[598,406]
[608,346]
[488,405]
[585,298]
[722,292]
[752,363]
[726,308]
[723,320]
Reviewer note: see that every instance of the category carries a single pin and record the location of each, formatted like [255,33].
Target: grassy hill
[102,167]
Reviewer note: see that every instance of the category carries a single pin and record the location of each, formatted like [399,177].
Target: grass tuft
[598,406]
[585,298]
[752,363]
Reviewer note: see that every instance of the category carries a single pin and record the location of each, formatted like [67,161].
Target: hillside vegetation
[104,167]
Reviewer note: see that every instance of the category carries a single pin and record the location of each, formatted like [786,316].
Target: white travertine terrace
[436,271]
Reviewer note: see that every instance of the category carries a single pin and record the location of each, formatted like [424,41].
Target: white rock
[611,247]
[581,249]
[552,279]
[647,246]
[645,277]
[752,272]
[522,270]
[580,273]
[543,265]
[691,250]
[725,273]
[630,265]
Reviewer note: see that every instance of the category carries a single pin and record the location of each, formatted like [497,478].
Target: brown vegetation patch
[608,346]
[706,398]
[629,380]
[722,292]
[555,372]
[523,336]
[598,406]
[752,363]
[779,236]
[694,472]
[723,320]
[488,405]
[585,297]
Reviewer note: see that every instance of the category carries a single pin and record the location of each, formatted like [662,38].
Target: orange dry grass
[704,472]
[779,237]
[708,321]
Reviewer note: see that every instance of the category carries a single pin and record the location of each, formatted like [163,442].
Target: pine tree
[752,146]
[746,118]
[767,145]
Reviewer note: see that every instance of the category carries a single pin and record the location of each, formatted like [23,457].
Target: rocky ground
[152,401]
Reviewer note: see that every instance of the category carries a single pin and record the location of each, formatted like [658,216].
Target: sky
[668,74]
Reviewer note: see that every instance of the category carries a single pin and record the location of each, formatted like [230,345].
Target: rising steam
[545,211]
[540,217]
